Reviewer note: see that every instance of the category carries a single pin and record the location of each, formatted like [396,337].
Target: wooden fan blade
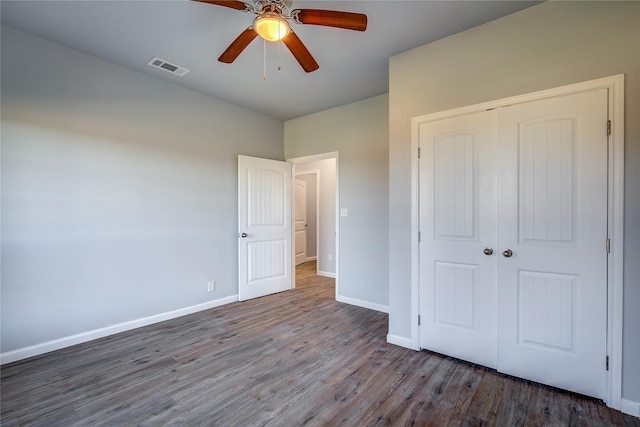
[233,4]
[300,52]
[332,18]
[238,45]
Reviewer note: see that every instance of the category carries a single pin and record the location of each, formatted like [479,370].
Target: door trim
[615,212]
[313,158]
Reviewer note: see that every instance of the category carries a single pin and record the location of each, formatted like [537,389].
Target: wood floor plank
[485,402]
[297,358]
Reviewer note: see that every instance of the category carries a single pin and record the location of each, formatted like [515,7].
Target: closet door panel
[552,290]
[457,222]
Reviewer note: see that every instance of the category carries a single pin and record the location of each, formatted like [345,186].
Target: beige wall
[546,46]
[359,132]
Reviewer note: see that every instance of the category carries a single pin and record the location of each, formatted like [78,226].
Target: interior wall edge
[402,341]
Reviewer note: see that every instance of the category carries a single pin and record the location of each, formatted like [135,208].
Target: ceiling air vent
[173,69]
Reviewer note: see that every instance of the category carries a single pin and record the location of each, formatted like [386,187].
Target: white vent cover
[164,65]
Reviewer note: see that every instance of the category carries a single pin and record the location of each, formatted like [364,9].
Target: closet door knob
[487,251]
[507,253]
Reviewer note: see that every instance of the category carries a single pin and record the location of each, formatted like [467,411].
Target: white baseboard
[401,341]
[363,304]
[35,350]
[312,258]
[327,274]
[630,407]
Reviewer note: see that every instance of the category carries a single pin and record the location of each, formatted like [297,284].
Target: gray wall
[359,131]
[548,45]
[119,192]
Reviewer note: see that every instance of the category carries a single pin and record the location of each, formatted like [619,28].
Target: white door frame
[315,158]
[315,172]
[615,85]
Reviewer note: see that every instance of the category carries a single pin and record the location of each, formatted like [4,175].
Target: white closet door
[458,223]
[552,291]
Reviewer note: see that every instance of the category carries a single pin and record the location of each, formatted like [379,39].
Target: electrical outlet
[211,286]
[330,257]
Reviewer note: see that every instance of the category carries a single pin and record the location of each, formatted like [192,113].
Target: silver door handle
[487,251]
[243,235]
[507,253]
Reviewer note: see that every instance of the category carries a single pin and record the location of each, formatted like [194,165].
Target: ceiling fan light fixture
[271,26]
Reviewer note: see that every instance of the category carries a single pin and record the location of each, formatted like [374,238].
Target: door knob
[243,235]
[487,251]
[507,253]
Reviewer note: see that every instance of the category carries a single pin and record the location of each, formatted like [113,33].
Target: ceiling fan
[272,24]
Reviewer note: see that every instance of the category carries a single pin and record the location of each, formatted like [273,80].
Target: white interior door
[458,234]
[552,290]
[300,238]
[264,227]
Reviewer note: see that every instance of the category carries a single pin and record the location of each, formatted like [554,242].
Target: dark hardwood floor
[291,359]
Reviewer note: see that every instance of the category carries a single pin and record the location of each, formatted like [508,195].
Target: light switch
[344,212]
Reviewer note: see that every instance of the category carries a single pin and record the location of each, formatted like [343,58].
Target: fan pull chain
[264,59]
[279,56]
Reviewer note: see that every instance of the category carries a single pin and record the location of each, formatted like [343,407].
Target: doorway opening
[319,233]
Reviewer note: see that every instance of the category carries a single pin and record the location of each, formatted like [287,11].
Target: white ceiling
[353,65]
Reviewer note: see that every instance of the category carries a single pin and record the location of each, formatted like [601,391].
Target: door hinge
[607,363]
[419,237]
[419,323]
[608,127]
[608,243]
[418,152]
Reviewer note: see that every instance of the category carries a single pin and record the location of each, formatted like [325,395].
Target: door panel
[456,286]
[456,172]
[266,260]
[300,239]
[546,303]
[552,293]
[547,180]
[264,226]
[457,221]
